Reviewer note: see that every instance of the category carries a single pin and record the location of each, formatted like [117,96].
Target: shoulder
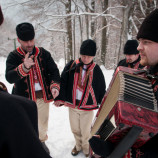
[43,50]
[122,62]
[70,64]
[13,54]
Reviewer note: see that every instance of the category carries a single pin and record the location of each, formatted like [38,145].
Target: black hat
[149,28]
[25,31]
[131,47]
[88,47]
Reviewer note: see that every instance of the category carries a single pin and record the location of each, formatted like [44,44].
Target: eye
[146,42]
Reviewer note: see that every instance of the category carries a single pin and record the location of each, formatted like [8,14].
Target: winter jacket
[19,128]
[47,71]
[94,89]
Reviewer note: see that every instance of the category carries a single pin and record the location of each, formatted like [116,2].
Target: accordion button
[139,109]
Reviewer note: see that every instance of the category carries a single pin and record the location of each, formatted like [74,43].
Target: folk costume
[34,83]
[18,127]
[147,31]
[82,89]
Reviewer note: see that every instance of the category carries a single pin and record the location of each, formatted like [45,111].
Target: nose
[140,47]
[29,43]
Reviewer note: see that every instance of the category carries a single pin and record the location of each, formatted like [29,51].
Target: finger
[32,56]
[27,55]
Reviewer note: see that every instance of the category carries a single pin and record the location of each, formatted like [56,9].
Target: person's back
[18,128]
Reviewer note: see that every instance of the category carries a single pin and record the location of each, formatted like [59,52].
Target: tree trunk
[104,35]
[124,29]
[69,31]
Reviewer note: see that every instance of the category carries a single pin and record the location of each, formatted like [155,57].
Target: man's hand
[28,61]
[55,92]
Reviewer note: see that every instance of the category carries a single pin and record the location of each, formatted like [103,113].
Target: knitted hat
[131,47]
[149,28]
[1,16]
[88,47]
[25,31]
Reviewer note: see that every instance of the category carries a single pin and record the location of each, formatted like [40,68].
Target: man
[81,92]
[148,49]
[34,74]
[132,57]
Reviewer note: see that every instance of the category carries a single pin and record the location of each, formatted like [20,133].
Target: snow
[60,139]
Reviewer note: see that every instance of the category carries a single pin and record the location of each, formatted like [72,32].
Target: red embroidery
[139,153]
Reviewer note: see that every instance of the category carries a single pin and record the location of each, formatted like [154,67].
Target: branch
[55,30]
[141,8]
[135,27]
[85,13]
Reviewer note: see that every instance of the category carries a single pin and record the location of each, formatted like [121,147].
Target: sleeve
[52,70]
[100,147]
[102,84]
[14,68]
[64,81]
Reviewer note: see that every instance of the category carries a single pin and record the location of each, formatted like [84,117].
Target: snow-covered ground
[60,139]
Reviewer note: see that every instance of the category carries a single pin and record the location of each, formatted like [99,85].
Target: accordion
[129,101]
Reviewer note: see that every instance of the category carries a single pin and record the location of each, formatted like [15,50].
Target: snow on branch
[134,25]
[85,13]
[141,7]
[55,30]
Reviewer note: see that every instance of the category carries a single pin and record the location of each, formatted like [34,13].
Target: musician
[82,89]
[148,49]
[132,57]
[18,125]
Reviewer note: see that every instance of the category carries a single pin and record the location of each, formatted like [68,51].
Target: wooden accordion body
[128,101]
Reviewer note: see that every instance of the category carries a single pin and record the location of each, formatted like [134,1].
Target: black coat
[18,128]
[94,94]
[23,82]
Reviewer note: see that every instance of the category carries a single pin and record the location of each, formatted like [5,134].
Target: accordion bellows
[129,101]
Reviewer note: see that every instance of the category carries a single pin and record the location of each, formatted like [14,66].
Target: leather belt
[39,94]
[77,102]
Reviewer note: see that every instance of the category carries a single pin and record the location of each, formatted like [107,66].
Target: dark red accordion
[129,102]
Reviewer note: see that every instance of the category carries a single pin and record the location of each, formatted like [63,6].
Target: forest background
[62,25]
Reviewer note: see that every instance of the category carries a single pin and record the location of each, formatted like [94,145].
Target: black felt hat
[131,47]
[25,31]
[149,28]
[88,47]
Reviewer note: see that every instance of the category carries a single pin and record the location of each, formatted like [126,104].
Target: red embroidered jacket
[47,71]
